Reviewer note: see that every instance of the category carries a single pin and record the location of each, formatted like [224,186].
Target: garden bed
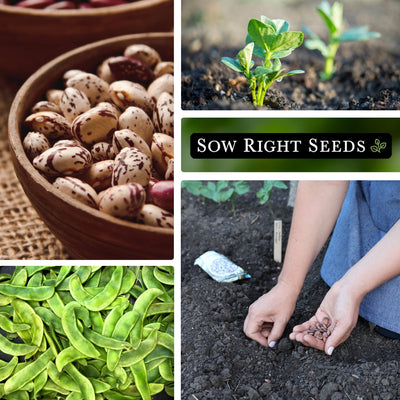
[219,362]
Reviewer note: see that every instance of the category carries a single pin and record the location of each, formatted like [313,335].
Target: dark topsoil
[367,76]
[219,362]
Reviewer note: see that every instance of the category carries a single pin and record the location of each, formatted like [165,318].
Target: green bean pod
[121,332]
[8,369]
[69,324]
[131,357]
[39,293]
[29,373]
[85,385]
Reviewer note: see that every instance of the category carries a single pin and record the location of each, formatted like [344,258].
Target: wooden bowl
[85,232]
[29,38]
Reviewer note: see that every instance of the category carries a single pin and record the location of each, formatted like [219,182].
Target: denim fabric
[369,210]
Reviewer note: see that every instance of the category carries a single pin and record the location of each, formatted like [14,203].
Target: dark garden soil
[218,362]
[367,75]
[366,79]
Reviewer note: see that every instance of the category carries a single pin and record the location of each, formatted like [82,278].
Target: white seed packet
[220,268]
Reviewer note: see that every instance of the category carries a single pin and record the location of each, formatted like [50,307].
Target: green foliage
[264,193]
[222,191]
[333,19]
[219,192]
[269,40]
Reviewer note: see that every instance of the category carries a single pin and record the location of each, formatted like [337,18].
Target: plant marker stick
[278,241]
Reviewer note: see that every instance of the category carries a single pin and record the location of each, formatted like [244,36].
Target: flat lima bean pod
[86,333]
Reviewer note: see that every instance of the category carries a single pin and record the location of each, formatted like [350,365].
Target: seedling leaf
[281,25]
[259,32]
[281,54]
[257,50]
[265,20]
[358,33]
[327,19]
[337,15]
[317,44]
[287,41]
[244,57]
[241,187]
[293,72]
[193,187]
[232,64]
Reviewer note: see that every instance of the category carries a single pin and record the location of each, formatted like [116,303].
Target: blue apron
[369,210]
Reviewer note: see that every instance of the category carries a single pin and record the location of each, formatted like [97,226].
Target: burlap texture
[23,235]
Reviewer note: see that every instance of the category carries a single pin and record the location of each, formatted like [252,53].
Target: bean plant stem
[330,62]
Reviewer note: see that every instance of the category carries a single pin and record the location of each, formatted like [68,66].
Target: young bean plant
[270,40]
[333,19]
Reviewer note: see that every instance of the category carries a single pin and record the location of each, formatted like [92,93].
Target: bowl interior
[70,220]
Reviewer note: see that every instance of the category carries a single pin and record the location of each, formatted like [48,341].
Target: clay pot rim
[81,12]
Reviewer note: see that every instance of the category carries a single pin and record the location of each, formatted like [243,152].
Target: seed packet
[220,268]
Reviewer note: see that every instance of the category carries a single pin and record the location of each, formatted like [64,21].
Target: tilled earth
[368,79]
[219,362]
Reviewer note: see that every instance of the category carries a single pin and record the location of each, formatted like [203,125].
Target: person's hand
[268,316]
[340,306]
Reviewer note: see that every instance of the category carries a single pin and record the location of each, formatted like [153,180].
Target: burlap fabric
[23,235]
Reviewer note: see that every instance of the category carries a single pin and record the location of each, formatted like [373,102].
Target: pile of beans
[89,333]
[64,4]
[107,139]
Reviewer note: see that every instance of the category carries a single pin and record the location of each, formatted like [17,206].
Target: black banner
[290,145]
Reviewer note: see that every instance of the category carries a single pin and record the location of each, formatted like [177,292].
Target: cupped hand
[269,315]
[339,310]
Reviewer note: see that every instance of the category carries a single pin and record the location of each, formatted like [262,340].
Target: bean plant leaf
[241,187]
[281,54]
[232,64]
[281,25]
[265,20]
[358,33]
[264,193]
[286,41]
[257,50]
[337,15]
[293,72]
[317,44]
[325,11]
[259,32]
[309,32]
[245,57]
[193,187]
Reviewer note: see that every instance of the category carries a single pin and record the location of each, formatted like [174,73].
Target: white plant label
[278,241]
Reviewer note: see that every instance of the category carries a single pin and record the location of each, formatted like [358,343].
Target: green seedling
[270,40]
[264,193]
[219,192]
[333,18]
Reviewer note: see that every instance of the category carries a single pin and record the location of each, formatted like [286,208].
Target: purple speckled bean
[35,143]
[131,165]
[127,138]
[95,125]
[51,124]
[151,214]
[77,189]
[63,160]
[123,201]
[163,115]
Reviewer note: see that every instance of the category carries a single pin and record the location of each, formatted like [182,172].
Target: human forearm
[379,265]
[316,210]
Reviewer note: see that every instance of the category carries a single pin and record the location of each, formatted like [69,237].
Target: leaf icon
[383,145]
[375,149]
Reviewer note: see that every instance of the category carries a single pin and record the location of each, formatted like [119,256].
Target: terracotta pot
[29,38]
[86,233]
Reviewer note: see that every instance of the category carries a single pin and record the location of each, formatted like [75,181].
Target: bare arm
[316,210]
[342,302]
